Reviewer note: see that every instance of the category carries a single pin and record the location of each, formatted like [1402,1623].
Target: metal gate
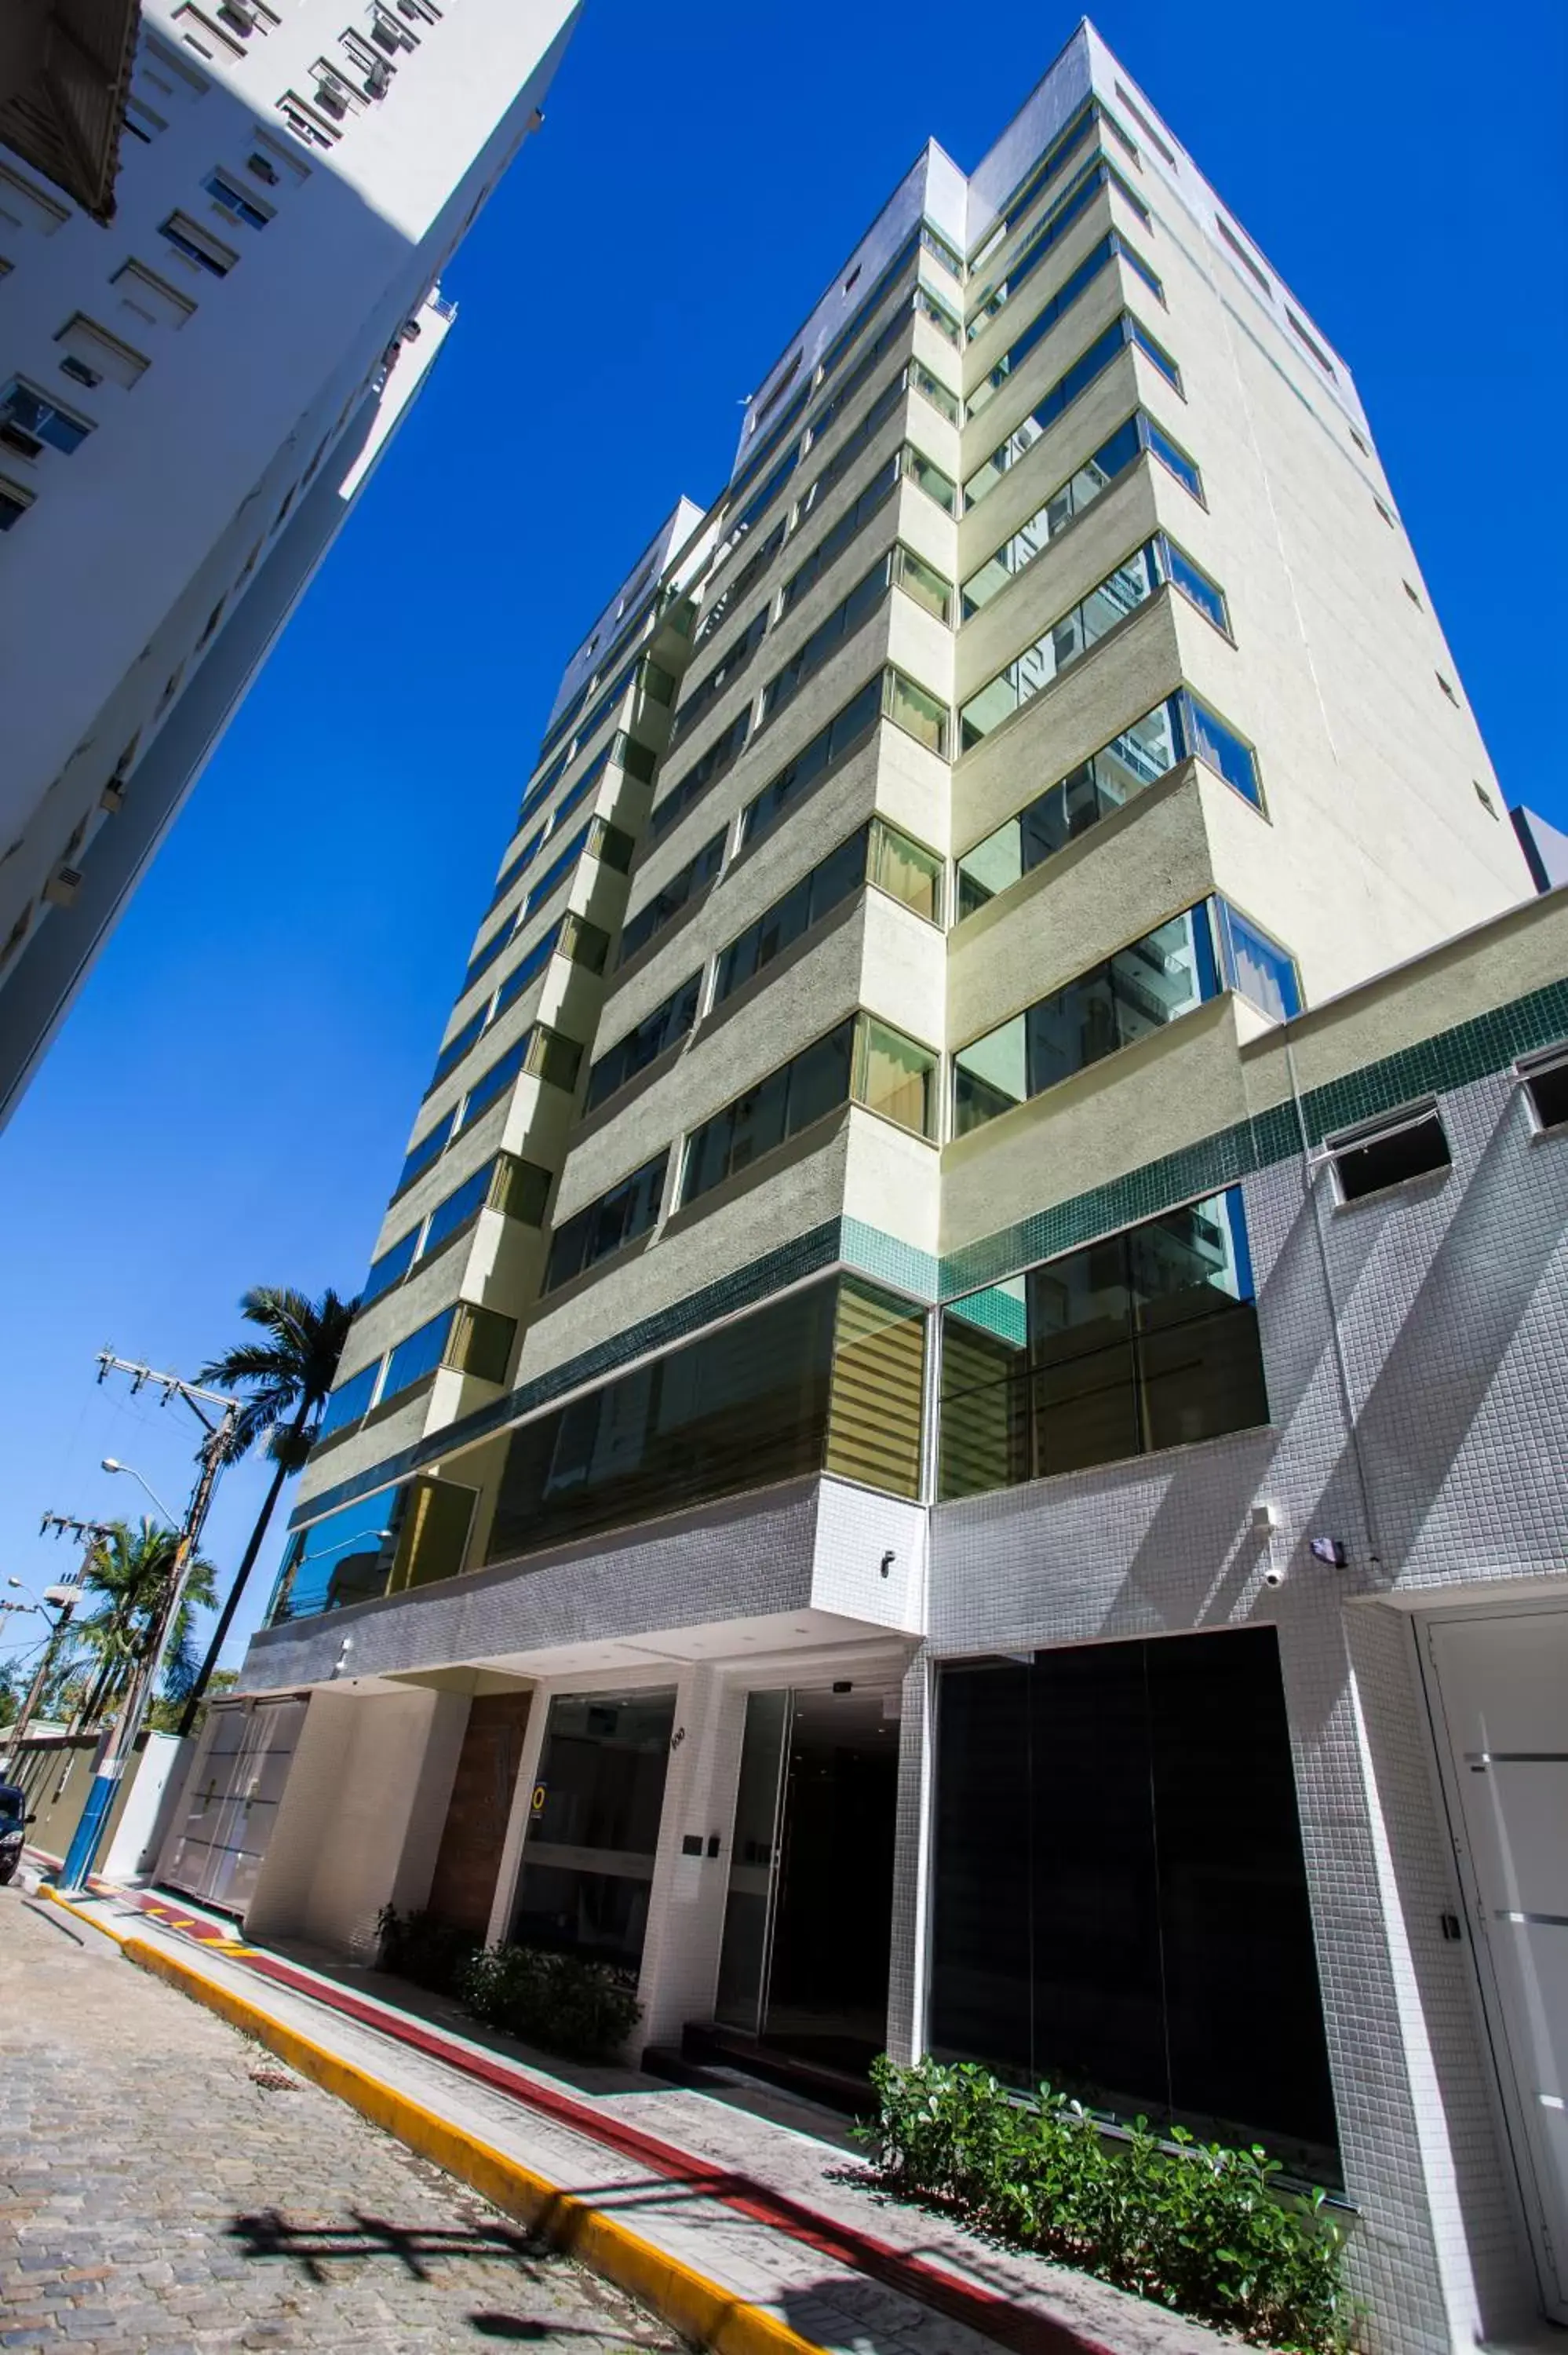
[231,1803]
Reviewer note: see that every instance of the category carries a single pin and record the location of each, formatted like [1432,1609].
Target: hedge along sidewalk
[798,2252]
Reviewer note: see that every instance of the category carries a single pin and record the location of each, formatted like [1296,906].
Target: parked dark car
[13,1821]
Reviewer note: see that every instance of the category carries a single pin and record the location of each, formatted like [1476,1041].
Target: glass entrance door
[808,1922]
[588,1860]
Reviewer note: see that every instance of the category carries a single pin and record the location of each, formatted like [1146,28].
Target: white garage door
[232,1798]
[1502,1683]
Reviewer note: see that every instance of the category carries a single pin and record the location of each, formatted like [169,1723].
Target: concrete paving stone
[155,2200]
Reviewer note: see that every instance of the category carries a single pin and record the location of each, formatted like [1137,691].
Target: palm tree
[285,1378]
[129,1572]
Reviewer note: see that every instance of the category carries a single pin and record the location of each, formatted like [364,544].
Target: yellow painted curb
[699,2308]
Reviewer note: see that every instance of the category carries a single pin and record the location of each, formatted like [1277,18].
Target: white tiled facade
[229,354]
[1410,1342]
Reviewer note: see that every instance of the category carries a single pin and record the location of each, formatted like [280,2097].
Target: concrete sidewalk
[746,2234]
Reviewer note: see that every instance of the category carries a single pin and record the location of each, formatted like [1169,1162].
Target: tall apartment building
[192,393]
[954,1439]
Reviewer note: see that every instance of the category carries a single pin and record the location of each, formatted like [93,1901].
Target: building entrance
[1501,1689]
[803,1971]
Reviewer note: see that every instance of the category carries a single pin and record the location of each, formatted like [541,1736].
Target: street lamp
[111,1464]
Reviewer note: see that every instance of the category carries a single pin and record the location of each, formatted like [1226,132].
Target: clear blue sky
[230,1100]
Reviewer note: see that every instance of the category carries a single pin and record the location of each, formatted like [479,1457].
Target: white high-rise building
[194,393]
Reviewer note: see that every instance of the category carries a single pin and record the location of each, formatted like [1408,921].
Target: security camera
[1273,1576]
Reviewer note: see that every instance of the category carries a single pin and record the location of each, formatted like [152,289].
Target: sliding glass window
[1081,489]
[1132,584]
[863,1058]
[1089,365]
[1175,730]
[1143,987]
[876,853]
[1145,1341]
[705,769]
[1073,202]
[644,1043]
[725,672]
[684,889]
[1113,247]
[828,1379]
[607,1224]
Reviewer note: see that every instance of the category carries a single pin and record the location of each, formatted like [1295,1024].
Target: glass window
[494,1082]
[812,1084]
[828,885]
[644,1043]
[1256,966]
[705,771]
[1131,585]
[1109,462]
[557,871]
[349,1401]
[456,1209]
[26,416]
[457,1046]
[1220,749]
[420,1154]
[524,973]
[1150,983]
[932,389]
[519,1191]
[606,1225]
[830,633]
[1110,248]
[1172,455]
[390,1268]
[724,672]
[833,543]
[484,956]
[906,869]
[481,1341]
[418,1356]
[916,712]
[1145,1341]
[1545,1078]
[728,599]
[1389,1152]
[923,583]
[1138,757]
[1085,369]
[929,478]
[739,1407]
[1196,586]
[686,888]
[895,1076]
[852,448]
[1070,207]
[339,1561]
[235,203]
[843,734]
[554,1059]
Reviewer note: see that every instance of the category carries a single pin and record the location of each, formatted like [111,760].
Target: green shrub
[1199,2228]
[584,2010]
[420,1947]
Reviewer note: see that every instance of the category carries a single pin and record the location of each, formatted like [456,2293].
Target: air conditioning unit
[378,80]
[329,102]
[112,798]
[63,886]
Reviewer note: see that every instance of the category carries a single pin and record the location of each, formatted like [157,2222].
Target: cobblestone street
[165,2184]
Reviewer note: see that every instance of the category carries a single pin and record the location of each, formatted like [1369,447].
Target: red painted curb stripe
[994,2318]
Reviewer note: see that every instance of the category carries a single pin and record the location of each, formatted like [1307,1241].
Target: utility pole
[65,1598]
[119,1747]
